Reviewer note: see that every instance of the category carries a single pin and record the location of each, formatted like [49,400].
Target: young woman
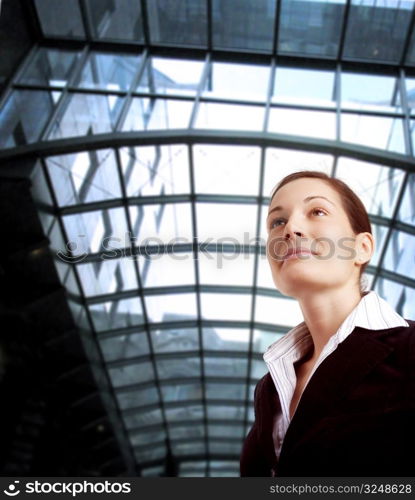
[339,398]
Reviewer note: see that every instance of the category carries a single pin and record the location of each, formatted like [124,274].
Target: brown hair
[352,204]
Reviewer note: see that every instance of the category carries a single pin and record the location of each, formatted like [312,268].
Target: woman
[339,398]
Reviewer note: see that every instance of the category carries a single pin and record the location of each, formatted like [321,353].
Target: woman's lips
[296,254]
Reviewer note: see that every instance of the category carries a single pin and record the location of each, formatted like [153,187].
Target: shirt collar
[372,312]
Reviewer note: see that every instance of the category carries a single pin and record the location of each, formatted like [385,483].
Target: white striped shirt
[372,313]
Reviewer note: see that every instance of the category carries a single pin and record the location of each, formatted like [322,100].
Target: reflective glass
[52,67]
[219,431]
[181,392]
[407,209]
[263,339]
[225,339]
[225,367]
[178,23]
[116,314]
[194,465]
[143,438]
[226,306]
[243,24]
[137,397]
[389,21]
[224,448]
[149,454]
[171,76]
[115,19]
[373,131]
[194,412]
[63,22]
[152,471]
[178,368]
[377,186]
[379,233]
[175,340]
[87,114]
[410,58]
[303,123]
[400,254]
[187,432]
[168,269]
[289,86]
[226,268]
[154,225]
[230,116]
[226,223]
[107,276]
[171,307]
[188,448]
[281,162]
[84,177]
[371,92]
[237,81]
[235,413]
[156,114]
[124,346]
[400,297]
[24,115]
[226,169]
[42,197]
[108,71]
[279,311]
[264,276]
[226,473]
[410,93]
[131,374]
[155,170]
[258,370]
[228,392]
[310,28]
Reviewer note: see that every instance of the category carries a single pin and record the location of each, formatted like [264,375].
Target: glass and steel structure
[158,130]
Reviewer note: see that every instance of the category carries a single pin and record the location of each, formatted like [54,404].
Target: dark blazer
[356,416]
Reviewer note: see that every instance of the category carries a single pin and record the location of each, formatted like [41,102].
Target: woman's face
[311,244]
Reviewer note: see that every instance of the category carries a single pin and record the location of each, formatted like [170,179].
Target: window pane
[264,278]
[226,391]
[226,169]
[304,123]
[225,339]
[407,208]
[388,21]
[148,455]
[171,76]
[225,367]
[187,432]
[310,28]
[124,346]
[65,21]
[234,413]
[178,368]
[143,419]
[182,23]
[289,86]
[263,339]
[218,431]
[117,314]
[243,24]
[189,448]
[226,306]
[237,81]
[181,392]
[379,233]
[258,370]
[109,71]
[87,114]
[410,93]
[374,131]
[278,311]
[171,307]
[116,19]
[400,297]
[174,340]
[84,177]
[168,269]
[226,268]
[194,412]
[155,114]
[131,374]
[143,438]
[134,398]
[228,449]
[400,254]
[230,116]
[107,276]
[51,67]
[370,92]
[24,115]
[155,170]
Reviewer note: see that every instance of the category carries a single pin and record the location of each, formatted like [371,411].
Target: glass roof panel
[234,413]
[224,448]
[263,339]
[194,412]
[400,297]
[149,454]
[377,186]
[108,71]
[181,23]
[155,170]
[168,269]
[115,19]
[175,340]
[276,310]
[188,432]
[137,397]
[87,114]
[410,93]
[226,268]
[182,392]
[400,253]
[84,177]
[371,92]
[225,367]
[63,22]
[373,131]
[258,370]
[264,279]
[228,391]
[181,449]
[171,307]
[407,209]
[310,28]
[218,431]
[157,114]
[289,86]
[52,67]
[243,24]
[116,314]
[188,367]
[226,170]
[410,57]
[124,346]
[389,20]
[380,233]
[131,374]
[143,418]
[143,438]
[226,306]
[237,81]
[229,116]
[225,339]
[303,123]
[171,76]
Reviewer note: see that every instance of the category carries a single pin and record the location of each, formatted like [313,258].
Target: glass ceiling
[153,174]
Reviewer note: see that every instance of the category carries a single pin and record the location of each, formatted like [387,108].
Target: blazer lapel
[338,373]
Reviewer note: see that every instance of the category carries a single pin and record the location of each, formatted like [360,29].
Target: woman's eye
[318,211]
[276,222]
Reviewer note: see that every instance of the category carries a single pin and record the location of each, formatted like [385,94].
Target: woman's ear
[365,246]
